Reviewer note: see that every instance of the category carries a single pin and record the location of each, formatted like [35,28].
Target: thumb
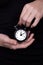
[11,41]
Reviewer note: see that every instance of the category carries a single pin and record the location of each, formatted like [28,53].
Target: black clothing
[9,16]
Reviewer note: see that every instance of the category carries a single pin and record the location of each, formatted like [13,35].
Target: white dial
[20,35]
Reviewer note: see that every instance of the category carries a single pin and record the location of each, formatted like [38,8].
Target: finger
[28,33]
[38,17]
[31,36]
[31,17]
[28,12]
[23,45]
[26,15]
[26,7]
[35,22]
[6,45]
[28,43]
[11,41]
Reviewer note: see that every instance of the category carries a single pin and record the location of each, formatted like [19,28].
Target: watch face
[20,35]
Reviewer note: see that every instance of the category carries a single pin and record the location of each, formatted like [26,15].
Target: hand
[25,44]
[5,41]
[30,11]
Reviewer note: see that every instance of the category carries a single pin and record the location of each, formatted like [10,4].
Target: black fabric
[9,16]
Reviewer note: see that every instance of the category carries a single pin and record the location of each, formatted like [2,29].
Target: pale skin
[30,11]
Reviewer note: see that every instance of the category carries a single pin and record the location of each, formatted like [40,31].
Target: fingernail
[33,39]
[32,34]
[32,26]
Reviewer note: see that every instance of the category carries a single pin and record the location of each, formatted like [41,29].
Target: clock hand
[23,33]
[20,33]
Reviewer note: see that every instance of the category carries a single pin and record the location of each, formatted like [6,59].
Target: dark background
[9,15]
